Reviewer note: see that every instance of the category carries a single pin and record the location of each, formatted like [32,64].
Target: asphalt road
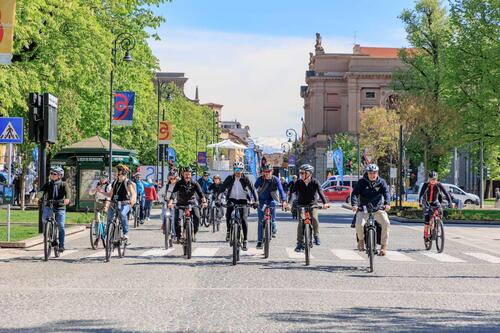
[153,290]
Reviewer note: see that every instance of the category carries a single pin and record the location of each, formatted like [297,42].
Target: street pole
[481,175]
[400,171]
[9,181]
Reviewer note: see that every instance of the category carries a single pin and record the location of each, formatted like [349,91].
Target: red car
[338,193]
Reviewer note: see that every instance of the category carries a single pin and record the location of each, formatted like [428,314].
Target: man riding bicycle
[306,189]
[186,190]
[239,188]
[123,193]
[371,189]
[205,183]
[431,197]
[56,189]
[270,191]
[216,191]
[141,199]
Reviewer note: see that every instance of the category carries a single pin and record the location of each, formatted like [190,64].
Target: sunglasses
[267,171]
[54,174]
[238,169]
[302,172]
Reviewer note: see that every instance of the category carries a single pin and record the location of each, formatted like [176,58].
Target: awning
[227,144]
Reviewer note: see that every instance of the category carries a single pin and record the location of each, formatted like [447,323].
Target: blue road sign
[11,130]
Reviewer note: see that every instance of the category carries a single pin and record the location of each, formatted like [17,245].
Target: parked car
[459,194]
[338,193]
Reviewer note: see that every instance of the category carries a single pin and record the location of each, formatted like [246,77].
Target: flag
[124,108]
[7,20]
[338,158]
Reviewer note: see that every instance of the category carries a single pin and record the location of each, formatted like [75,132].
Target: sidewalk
[39,239]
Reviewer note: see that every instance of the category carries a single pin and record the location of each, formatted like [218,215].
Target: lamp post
[291,133]
[126,42]
[200,134]
[215,132]
[285,146]
[160,147]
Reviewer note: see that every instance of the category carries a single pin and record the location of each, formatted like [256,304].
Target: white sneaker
[125,237]
[149,219]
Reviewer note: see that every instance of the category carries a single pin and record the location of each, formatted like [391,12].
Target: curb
[39,239]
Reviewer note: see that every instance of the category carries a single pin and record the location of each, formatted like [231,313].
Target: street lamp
[161,147]
[126,42]
[293,133]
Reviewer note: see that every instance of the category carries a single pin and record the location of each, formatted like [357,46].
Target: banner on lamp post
[7,20]
[202,158]
[124,108]
[338,158]
[291,160]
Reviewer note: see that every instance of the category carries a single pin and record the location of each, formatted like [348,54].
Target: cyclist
[293,198]
[372,189]
[270,191]
[185,191]
[141,200]
[216,190]
[306,189]
[433,193]
[238,187]
[167,193]
[122,192]
[205,182]
[101,200]
[56,189]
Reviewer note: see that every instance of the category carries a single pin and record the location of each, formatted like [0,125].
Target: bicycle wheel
[110,240]
[55,240]
[212,218]
[307,241]
[189,238]
[371,246]
[206,219]
[166,231]
[267,237]
[428,240]
[94,235]
[47,240]
[439,235]
[102,232]
[235,241]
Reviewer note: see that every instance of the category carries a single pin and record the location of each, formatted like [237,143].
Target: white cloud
[257,78]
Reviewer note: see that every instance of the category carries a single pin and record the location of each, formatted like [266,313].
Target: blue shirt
[275,186]
[139,188]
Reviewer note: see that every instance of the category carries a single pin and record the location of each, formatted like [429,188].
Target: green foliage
[347,142]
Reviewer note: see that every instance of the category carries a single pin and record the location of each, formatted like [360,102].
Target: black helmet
[267,167]
[187,169]
[433,175]
[123,168]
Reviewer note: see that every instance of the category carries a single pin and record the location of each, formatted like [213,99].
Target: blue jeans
[141,200]
[123,214]
[147,209]
[260,229]
[60,215]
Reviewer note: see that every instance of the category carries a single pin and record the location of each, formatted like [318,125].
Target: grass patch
[31,216]
[18,232]
[451,214]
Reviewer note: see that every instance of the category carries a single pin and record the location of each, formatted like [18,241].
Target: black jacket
[377,193]
[58,190]
[245,183]
[186,192]
[434,195]
[306,194]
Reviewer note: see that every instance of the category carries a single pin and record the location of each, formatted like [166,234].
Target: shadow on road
[391,319]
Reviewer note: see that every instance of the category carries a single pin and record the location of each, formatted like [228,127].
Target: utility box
[50,104]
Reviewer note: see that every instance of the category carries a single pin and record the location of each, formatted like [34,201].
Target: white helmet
[371,167]
[238,165]
[58,170]
[307,167]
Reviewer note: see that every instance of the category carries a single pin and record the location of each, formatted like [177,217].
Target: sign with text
[7,19]
[124,108]
[165,134]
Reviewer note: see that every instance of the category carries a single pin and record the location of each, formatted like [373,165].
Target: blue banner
[251,162]
[338,158]
[172,156]
[124,108]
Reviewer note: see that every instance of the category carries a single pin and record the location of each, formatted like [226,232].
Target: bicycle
[435,231]
[205,214]
[168,226]
[215,214]
[136,210]
[51,231]
[97,230]
[114,232]
[267,229]
[187,230]
[306,211]
[370,232]
[236,231]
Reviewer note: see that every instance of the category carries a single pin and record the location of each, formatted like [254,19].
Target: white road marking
[64,254]
[443,257]
[98,254]
[296,255]
[160,252]
[252,252]
[351,255]
[397,256]
[205,251]
[484,256]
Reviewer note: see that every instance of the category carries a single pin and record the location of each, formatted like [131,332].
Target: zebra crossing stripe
[98,254]
[350,255]
[160,252]
[64,254]
[252,252]
[296,255]
[397,256]
[205,251]
[442,257]
[484,256]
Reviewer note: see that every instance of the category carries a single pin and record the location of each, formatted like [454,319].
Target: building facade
[339,86]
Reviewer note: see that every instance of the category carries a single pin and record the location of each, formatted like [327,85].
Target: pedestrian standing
[151,195]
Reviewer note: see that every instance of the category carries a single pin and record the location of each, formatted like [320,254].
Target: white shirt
[237,192]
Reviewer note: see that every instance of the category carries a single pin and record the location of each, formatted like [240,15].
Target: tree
[348,145]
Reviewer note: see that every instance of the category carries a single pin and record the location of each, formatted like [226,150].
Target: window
[370,94]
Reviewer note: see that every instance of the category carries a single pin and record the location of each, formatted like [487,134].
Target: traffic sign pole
[9,175]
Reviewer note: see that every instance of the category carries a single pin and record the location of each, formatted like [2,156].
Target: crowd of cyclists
[237,189]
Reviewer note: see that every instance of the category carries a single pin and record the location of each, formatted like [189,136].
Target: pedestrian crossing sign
[11,130]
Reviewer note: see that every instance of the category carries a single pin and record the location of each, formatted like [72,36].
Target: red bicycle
[306,222]
[267,229]
[435,231]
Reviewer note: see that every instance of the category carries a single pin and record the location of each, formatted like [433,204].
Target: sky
[251,56]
